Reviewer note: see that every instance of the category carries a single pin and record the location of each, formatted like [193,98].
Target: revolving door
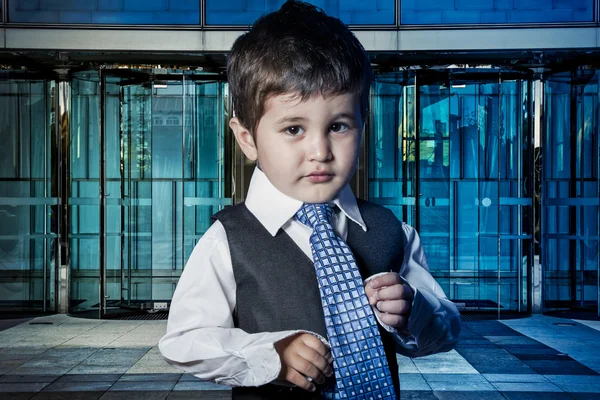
[449,153]
[144,183]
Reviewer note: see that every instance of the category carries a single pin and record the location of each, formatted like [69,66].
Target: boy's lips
[319,176]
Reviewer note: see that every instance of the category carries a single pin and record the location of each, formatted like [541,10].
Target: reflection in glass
[467,162]
[352,12]
[571,190]
[436,12]
[163,182]
[28,195]
[129,12]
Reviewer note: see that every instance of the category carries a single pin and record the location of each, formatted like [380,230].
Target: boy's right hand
[303,355]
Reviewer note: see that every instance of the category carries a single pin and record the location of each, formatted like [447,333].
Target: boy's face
[308,150]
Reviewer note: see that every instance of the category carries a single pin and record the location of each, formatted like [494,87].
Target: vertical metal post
[530,190]
[538,132]
[499,144]
[102,266]
[573,187]
[62,104]
[5,10]
[417,158]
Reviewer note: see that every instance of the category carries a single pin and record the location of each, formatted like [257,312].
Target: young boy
[272,300]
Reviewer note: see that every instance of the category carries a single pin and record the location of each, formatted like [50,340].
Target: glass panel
[352,12]
[84,196]
[571,191]
[164,151]
[440,12]
[392,144]
[128,12]
[472,196]
[28,196]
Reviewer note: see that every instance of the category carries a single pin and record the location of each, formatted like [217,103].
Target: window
[128,12]
[352,12]
[440,12]
[172,121]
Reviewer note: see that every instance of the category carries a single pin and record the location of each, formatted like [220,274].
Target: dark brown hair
[297,50]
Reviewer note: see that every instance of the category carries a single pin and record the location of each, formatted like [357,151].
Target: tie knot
[311,214]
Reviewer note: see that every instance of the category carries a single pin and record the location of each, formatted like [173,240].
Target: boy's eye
[294,130]
[338,127]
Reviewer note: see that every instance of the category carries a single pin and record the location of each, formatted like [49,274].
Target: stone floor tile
[78,386]
[189,378]
[68,395]
[89,378]
[455,395]
[537,396]
[28,378]
[187,386]
[16,396]
[202,395]
[417,395]
[580,379]
[139,395]
[152,369]
[461,386]
[584,396]
[413,382]
[150,377]
[22,387]
[515,378]
[142,385]
[98,369]
[454,378]
[526,387]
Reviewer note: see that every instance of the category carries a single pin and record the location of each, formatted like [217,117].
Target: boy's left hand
[392,297]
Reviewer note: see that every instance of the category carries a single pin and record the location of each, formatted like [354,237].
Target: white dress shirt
[201,338]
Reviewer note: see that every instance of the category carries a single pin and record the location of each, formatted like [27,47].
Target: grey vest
[277,287]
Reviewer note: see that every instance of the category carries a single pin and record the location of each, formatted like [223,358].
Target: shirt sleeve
[434,323]
[201,338]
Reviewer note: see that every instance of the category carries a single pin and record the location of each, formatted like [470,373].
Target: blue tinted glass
[352,12]
[570,187]
[470,203]
[440,12]
[129,12]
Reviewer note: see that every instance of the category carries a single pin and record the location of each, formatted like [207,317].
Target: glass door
[28,194]
[474,143]
[571,191]
[165,159]
[448,153]
[148,151]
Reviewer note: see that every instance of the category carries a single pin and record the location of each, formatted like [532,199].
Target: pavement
[62,357]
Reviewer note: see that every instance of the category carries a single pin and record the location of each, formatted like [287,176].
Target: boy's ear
[244,138]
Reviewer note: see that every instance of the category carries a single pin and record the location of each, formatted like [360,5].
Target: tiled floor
[59,357]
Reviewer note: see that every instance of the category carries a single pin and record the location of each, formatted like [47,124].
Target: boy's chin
[316,197]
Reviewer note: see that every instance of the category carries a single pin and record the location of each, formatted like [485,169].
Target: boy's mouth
[319,176]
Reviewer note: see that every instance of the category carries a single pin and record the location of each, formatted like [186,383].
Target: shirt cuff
[262,361]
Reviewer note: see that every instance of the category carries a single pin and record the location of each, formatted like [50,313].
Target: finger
[299,380]
[394,306]
[308,369]
[397,321]
[315,343]
[391,278]
[317,360]
[395,292]
[369,291]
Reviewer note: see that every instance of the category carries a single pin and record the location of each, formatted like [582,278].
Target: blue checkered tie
[361,368]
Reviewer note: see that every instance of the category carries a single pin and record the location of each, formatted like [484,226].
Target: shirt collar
[273,208]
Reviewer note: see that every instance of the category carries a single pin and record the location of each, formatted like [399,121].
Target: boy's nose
[320,150]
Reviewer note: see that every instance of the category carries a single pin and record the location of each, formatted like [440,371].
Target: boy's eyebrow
[283,120]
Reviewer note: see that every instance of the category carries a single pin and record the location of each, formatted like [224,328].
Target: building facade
[115,151]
